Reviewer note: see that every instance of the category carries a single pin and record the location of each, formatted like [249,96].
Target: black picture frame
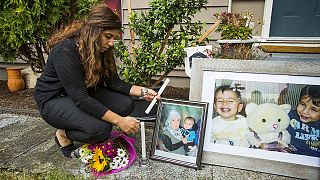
[164,136]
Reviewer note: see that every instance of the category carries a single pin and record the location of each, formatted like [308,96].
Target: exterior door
[295,18]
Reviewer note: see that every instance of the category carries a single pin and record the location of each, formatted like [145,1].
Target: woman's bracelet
[144,91]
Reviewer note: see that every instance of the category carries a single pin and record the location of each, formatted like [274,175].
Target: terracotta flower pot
[15,81]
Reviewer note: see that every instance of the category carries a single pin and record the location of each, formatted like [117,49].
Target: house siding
[255,6]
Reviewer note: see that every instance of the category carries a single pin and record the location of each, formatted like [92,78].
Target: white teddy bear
[268,123]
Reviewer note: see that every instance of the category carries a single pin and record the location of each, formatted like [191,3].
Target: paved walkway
[27,144]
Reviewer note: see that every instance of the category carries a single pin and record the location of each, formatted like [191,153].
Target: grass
[52,174]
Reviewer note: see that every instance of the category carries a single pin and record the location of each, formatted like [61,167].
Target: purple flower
[109,152]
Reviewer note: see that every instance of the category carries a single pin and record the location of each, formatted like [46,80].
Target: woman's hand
[129,124]
[146,93]
[150,94]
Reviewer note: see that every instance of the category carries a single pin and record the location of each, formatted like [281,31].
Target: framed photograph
[262,115]
[195,52]
[179,132]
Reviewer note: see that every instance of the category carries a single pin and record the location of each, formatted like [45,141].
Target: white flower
[121,152]
[124,163]
[81,151]
[85,155]
[116,159]
[86,158]
[126,156]
[114,165]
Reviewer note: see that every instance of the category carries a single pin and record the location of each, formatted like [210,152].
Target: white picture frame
[207,72]
[195,52]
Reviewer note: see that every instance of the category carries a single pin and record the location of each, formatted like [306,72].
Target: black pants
[62,113]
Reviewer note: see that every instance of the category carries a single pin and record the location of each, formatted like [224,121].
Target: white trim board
[265,32]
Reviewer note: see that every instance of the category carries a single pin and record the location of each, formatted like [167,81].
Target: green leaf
[28,23]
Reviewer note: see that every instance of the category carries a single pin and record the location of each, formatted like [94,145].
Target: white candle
[166,82]
[143,141]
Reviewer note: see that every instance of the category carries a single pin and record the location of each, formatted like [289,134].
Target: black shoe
[67,151]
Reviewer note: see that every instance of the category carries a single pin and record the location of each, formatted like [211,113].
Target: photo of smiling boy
[305,122]
[229,128]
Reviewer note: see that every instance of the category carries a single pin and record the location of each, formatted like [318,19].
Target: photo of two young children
[277,118]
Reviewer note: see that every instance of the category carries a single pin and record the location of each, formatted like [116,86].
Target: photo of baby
[190,131]
[179,133]
[180,136]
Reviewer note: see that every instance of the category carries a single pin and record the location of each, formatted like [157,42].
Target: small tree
[26,25]
[163,31]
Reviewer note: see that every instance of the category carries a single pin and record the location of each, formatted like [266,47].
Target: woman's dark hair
[312,92]
[226,88]
[87,34]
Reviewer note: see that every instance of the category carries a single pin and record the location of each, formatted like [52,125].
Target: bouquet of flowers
[109,157]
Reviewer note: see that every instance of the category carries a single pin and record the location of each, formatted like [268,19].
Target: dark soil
[16,100]
[24,99]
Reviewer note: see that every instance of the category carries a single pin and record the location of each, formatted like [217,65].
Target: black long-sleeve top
[64,75]
[168,143]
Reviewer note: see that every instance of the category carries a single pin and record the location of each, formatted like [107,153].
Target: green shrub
[25,26]
[163,31]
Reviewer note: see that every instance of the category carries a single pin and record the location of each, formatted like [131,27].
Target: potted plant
[162,40]
[236,30]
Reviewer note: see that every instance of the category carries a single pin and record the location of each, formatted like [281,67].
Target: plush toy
[268,123]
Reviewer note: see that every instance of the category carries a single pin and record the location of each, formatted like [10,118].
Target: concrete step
[294,57]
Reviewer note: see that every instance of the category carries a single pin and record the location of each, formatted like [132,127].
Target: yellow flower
[100,154]
[99,161]
[96,156]
[99,166]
